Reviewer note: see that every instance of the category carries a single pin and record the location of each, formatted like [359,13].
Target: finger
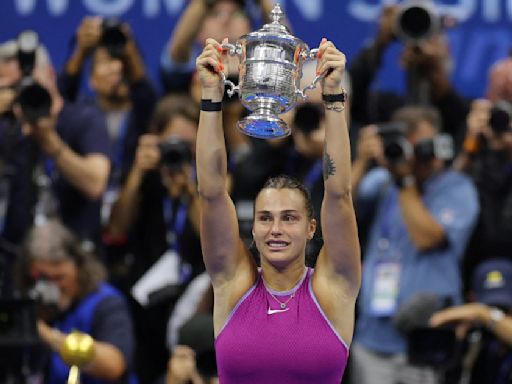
[210,64]
[329,66]
[212,42]
[322,47]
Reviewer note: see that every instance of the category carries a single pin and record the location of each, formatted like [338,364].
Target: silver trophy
[270,70]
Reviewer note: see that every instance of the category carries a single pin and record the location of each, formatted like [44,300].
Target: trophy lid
[275,29]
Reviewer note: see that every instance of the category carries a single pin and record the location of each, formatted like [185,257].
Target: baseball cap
[492,282]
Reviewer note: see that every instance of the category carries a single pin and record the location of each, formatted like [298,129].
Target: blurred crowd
[99,211]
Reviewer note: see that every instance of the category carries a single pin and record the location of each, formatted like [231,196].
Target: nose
[276,228]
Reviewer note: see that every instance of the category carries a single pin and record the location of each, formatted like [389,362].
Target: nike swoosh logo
[273,311]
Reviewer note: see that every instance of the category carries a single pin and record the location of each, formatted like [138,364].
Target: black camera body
[175,153]
[112,37]
[398,149]
[34,100]
[500,119]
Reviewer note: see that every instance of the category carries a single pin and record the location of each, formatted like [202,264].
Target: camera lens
[35,102]
[174,153]
[416,22]
[499,120]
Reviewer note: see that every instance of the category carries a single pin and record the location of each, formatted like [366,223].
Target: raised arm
[226,259]
[340,256]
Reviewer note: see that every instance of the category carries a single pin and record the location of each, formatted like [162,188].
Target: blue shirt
[452,200]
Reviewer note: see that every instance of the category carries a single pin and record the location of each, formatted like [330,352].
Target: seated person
[490,309]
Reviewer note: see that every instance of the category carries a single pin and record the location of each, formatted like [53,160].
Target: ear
[312,229]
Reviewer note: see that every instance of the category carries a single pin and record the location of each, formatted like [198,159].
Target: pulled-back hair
[288,182]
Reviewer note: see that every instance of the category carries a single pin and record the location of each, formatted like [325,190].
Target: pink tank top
[262,343]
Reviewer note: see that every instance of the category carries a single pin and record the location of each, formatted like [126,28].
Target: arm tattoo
[329,167]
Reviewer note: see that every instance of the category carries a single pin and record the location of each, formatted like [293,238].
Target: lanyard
[313,175]
[175,221]
[118,143]
[387,220]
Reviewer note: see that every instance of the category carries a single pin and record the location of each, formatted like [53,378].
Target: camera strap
[175,220]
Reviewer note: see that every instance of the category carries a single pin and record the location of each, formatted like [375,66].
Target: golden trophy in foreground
[77,351]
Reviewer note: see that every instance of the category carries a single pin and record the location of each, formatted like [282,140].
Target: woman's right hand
[209,66]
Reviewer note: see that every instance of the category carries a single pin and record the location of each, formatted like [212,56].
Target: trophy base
[263,125]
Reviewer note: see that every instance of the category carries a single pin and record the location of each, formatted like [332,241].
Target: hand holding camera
[370,146]
[147,156]
[89,33]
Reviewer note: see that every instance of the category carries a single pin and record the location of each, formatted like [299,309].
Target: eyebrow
[280,212]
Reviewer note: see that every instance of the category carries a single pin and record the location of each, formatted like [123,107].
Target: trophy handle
[311,55]
[231,87]
[233,50]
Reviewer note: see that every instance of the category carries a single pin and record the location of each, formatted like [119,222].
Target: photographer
[157,211]
[58,152]
[69,284]
[199,20]
[487,158]
[425,60]
[121,88]
[485,323]
[420,216]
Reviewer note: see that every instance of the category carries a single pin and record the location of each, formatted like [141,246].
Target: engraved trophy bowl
[270,70]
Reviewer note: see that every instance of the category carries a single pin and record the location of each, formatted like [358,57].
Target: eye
[289,217]
[265,218]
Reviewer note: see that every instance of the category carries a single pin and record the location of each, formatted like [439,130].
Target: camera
[174,153]
[45,295]
[398,149]
[308,117]
[499,119]
[432,347]
[34,100]
[112,37]
[417,20]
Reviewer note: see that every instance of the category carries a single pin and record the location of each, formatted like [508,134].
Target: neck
[110,105]
[282,279]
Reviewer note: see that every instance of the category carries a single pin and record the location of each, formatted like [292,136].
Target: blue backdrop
[482,35]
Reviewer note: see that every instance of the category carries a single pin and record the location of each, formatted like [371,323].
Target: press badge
[385,288]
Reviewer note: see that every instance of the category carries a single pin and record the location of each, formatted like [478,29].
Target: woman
[282,323]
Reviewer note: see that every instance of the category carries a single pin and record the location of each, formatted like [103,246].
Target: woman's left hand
[331,63]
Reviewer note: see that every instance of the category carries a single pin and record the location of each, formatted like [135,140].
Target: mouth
[277,245]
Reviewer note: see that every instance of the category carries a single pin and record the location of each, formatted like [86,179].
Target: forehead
[276,200]
[49,267]
[182,127]
[423,130]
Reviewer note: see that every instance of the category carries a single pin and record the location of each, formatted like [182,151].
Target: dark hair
[412,115]
[170,107]
[288,182]
[52,241]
